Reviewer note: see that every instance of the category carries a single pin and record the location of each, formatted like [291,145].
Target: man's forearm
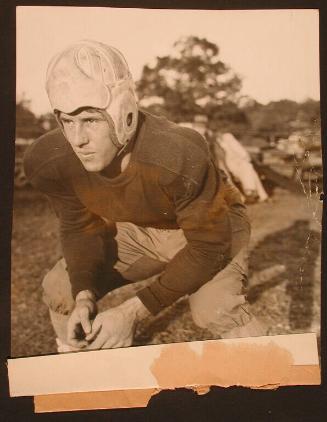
[183,275]
[86,256]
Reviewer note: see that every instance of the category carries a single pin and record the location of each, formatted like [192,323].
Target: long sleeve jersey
[170,182]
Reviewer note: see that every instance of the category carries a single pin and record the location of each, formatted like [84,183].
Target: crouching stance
[137,198]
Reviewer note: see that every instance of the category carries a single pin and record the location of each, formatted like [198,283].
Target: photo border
[295,395]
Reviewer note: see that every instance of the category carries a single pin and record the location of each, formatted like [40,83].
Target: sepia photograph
[168,177]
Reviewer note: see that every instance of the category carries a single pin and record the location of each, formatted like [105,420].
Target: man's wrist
[85,295]
[137,308]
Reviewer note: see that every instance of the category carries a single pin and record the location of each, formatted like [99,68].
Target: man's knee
[221,302]
[224,312]
[57,293]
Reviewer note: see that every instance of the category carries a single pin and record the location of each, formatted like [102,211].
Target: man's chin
[92,167]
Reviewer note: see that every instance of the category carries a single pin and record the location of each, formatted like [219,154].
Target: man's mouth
[86,154]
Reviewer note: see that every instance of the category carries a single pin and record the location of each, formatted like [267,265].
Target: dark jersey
[170,182]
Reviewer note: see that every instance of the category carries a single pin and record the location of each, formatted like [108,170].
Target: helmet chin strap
[122,148]
[113,137]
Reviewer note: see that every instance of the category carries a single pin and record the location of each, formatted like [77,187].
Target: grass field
[284,285]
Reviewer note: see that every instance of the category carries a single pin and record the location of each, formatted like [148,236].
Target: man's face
[90,136]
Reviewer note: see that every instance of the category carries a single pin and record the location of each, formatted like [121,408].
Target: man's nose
[80,137]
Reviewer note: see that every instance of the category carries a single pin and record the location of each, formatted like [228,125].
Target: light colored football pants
[219,305]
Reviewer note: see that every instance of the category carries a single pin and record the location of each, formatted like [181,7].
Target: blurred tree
[27,124]
[273,119]
[308,114]
[192,80]
[48,121]
[278,119]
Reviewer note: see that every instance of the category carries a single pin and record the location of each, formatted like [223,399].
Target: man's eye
[68,122]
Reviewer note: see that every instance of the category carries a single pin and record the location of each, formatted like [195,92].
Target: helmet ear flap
[123,111]
[129,112]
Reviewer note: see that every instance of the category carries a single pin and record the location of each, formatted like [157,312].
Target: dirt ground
[284,283]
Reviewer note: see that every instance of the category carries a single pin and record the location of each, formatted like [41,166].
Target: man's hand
[115,327]
[79,323]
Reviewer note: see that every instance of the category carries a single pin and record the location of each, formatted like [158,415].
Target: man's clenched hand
[79,323]
[115,327]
